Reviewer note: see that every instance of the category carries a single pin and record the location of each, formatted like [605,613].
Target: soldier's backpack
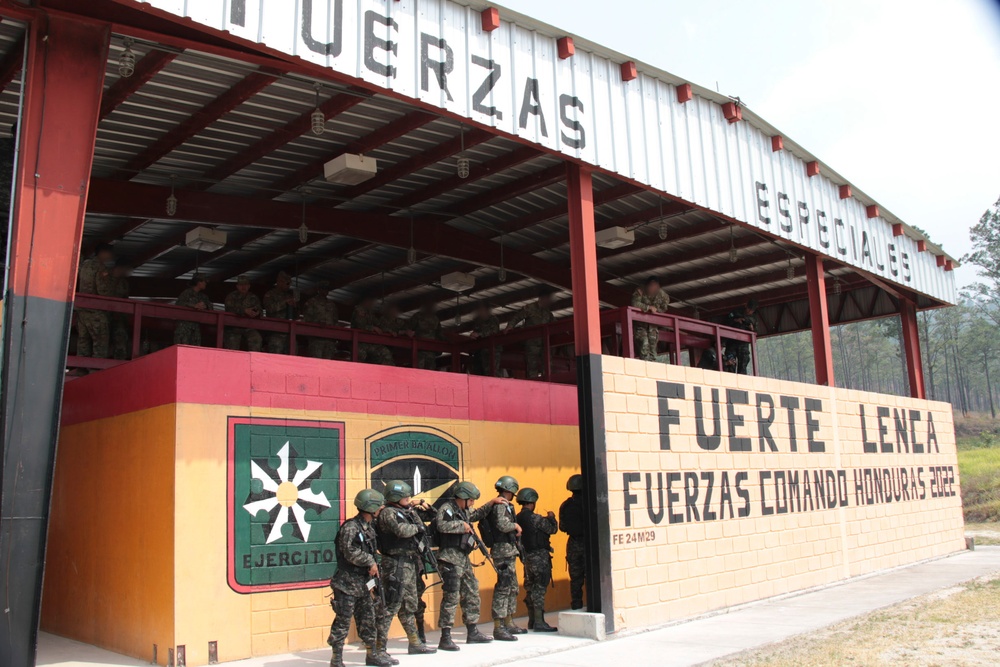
[486,530]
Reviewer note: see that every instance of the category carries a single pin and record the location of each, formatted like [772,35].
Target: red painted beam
[123,88]
[819,320]
[586,303]
[119,198]
[385,134]
[12,63]
[494,166]
[241,92]
[292,130]
[911,348]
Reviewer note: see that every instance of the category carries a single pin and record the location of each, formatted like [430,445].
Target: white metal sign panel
[512,79]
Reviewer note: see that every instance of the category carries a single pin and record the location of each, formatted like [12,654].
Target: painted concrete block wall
[710,506]
[232,410]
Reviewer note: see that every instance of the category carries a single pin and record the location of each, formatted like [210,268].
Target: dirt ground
[959,626]
[985,534]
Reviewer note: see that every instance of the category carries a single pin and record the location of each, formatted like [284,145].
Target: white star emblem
[285,500]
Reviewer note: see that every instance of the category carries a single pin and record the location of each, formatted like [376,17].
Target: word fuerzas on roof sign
[746,419]
[381,48]
[691,497]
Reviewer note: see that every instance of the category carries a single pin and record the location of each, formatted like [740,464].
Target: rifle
[375,585]
[521,553]
[478,541]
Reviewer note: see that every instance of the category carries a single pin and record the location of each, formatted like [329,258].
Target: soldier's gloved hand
[468,527]
[499,500]
[373,571]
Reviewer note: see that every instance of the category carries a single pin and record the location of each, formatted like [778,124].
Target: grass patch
[960,626]
[979,467]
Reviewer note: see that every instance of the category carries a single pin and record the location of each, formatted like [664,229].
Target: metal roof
[161,134]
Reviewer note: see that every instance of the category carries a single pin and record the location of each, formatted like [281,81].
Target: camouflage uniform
[536,530]
[573,521]
[427,326]
[356,546]
[741,319]
[320,310]
[238,303]
[533,315]
[648,335]
[92,326]
[402,566]
[276,306]
[486,328]
[365,319]
[189,333]
[459,579]
[119,321]
[504,552]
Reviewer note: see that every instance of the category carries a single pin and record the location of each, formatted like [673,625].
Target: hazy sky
[901,98]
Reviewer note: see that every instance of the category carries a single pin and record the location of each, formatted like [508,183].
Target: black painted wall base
[35,338]
[594,465]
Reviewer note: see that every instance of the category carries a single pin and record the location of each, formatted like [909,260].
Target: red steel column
[820,319]
[911,348]
[64,79]
[590,391]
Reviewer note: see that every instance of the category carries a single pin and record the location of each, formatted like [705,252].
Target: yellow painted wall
[665,570]
[208,609]
[109,576]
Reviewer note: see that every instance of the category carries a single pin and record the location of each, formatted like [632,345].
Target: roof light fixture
[172,199]
[734,254]
[462,165]
[411,253]
[126,61]
[836,285]
[303,229]
[790,271]
[662,231]
[502,273]
[318,118]
[458,311]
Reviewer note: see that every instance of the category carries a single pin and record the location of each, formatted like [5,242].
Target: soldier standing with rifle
[356,582]
[403,541]
[573,521]
[457,538]
[742,318]
[504,535]
[535,532]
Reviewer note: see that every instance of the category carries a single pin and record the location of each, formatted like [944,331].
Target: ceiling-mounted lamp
[790,271]
[502,273]
[458,312]
[662,232]
[318,118]
[126,61]
[303,229]
[836,285]
[411,252]
[172,199]
[734,254]
[463,164]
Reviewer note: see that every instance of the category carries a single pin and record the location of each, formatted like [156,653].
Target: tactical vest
[391,543]
[571,517]
[532,538]
[498,536]
[344,565]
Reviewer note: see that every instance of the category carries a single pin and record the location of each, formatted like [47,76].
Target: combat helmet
[508,484]
[396,490]
[575,483]
[527,495]
[466,491]
[369,501]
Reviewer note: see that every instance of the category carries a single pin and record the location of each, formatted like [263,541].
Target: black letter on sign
[372,42]
[803,218]
[630,498]
[531,104]
[869,446]
[783,212]
[736,397]
[931,434]
[762,203]
[742,493]
[883,429]
[673,497]
[655,517]
[918,447]
[764,507]
[331,49]
[837,225]
[812,425]
[791,403]
[567,102]
[441,69]
[705,441]
[764,425]
[238,12]
[486,87]
[823,228]
[665,391]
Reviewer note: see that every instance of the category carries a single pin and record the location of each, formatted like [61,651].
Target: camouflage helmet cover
[466,491]
[369,501]
[527,495]
[508,484]
[575,483]
[396,490]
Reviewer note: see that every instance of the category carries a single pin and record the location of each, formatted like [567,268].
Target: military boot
[576,604]
[446,644]
[474,636]
[417,647]
[500,632]
[381,650]
[512,627]
[338,656]
[375,659]
[540,624]
[531,613]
